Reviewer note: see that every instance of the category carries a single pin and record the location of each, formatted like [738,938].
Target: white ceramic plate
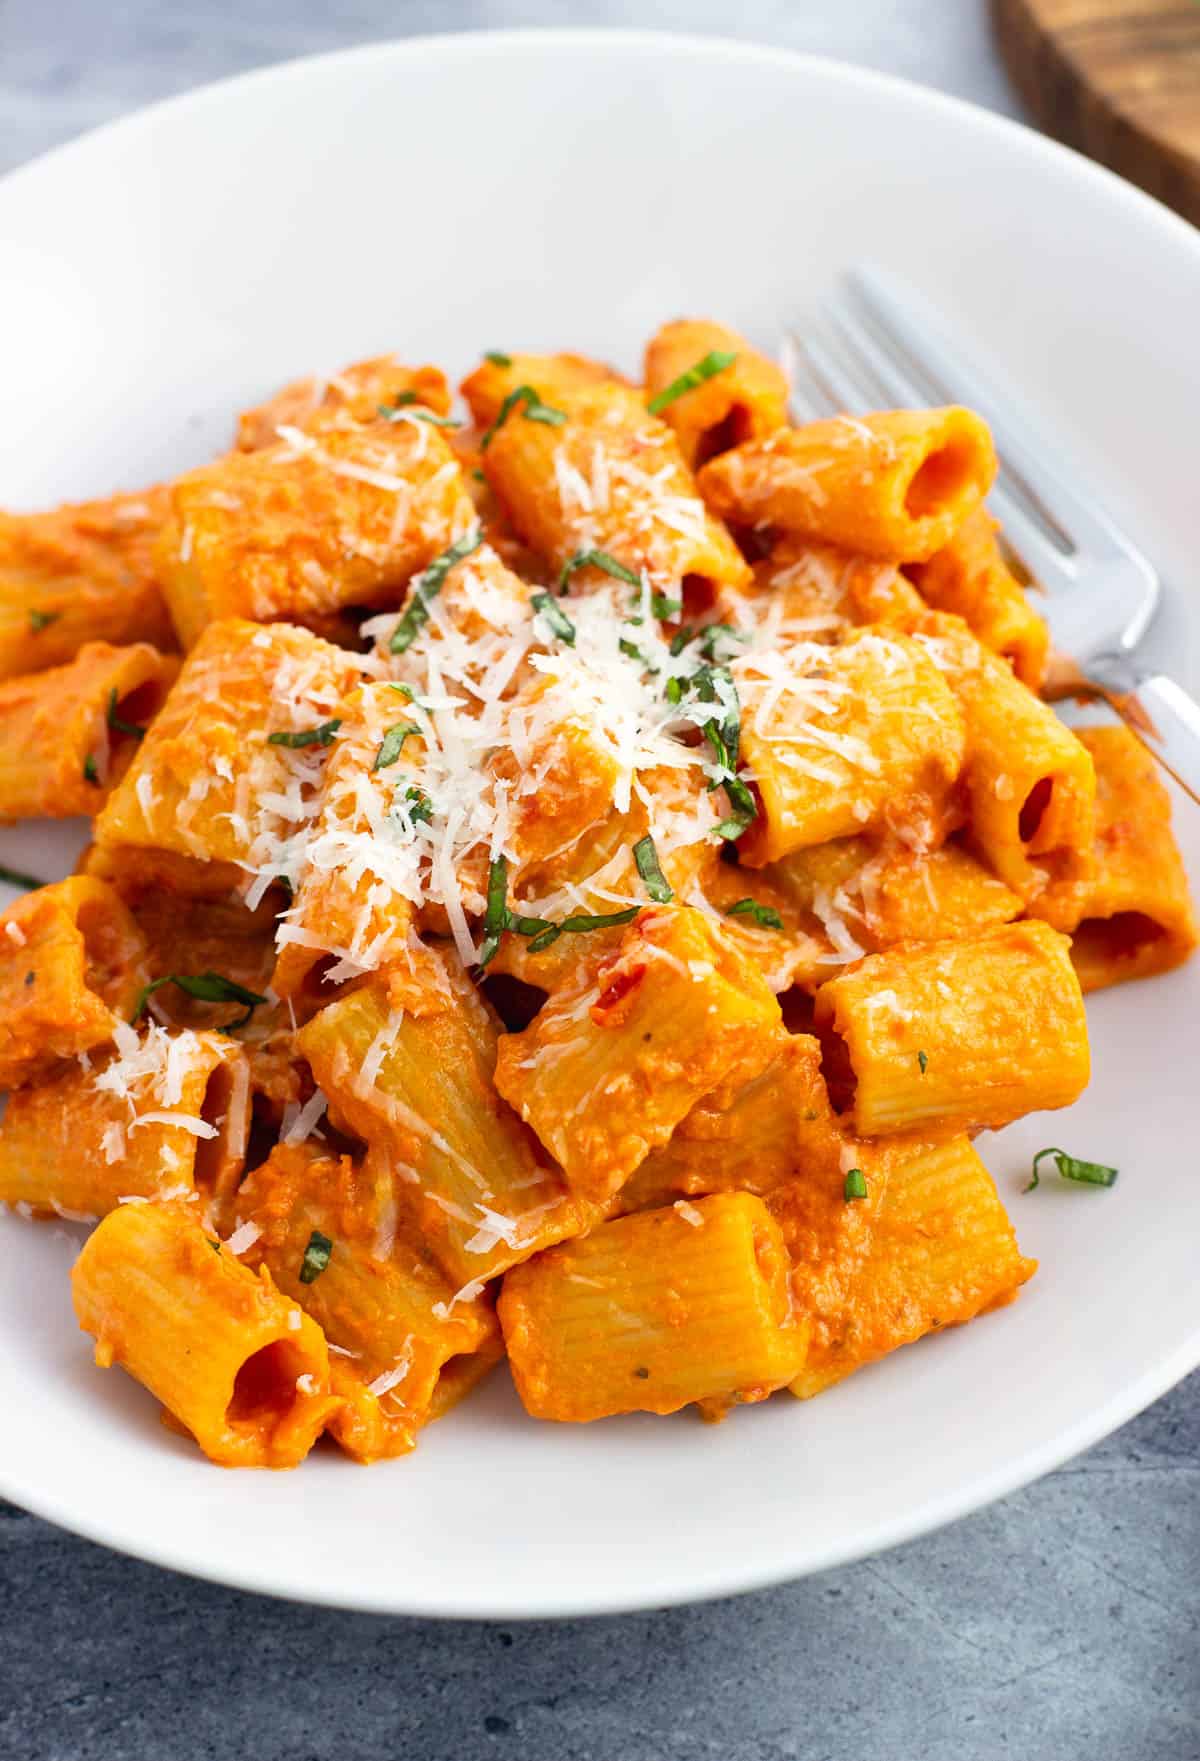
[532,191]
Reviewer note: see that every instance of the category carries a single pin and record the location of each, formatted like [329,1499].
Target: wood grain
[1119,79]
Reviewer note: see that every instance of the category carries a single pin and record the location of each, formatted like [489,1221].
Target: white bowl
[539,190]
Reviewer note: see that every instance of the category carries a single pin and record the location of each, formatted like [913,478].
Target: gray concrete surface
[1062,1623]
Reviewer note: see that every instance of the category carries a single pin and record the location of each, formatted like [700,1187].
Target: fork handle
[1167,722]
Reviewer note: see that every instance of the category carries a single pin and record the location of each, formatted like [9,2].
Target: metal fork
[878,344]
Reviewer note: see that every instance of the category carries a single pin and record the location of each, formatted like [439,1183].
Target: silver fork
[878,344]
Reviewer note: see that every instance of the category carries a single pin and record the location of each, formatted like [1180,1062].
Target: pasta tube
[956,1036]
[1133,917]
[604,476]
[896,484]
[69,734]
[877,895]
[779,1124]
[351,397]
[164,1115]
[230,769]
[555,376]
[392,1324]
[72,961]
[215,1344]
[80,573]
[313,524]
[931,1248]
[731,392]
[415,1083]
[970,577]
[654,1311]
[1030,783]
[616,1058]
[840,740]
[807,591]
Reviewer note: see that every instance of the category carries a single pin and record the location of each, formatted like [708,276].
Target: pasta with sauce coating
[589,875]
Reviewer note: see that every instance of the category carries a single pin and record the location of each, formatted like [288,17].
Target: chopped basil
[712,363]
[322,735]
[855,1185]
[581,924]
[765,916]
[392,744]
[420,808]
[38,620]
[1071,1168]
[715,684]
[316,1257]
[90,773]
[407,403]
[657,884]
[535,411]
[560,624]
[13,877]
[115,722]
[478,475]
[427,585]
[745,810]
[498,358]
[496,917]
[206,987]
[529,926]
[923,1061]
[596,559]
[663,606]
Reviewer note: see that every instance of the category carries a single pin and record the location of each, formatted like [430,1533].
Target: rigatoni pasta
[895,485]
[589,875]
[215,1343]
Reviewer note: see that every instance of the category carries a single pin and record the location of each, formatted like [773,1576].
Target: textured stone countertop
[1062,1623]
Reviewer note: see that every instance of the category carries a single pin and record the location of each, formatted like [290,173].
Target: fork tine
[871,382]
[902,319]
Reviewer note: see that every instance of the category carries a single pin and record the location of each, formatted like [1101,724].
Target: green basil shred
[115,722]
[497,916]
[648,866]
[560,624]
[427,585]
[322,735]
[392,744]
[206,987]
[535,411]
[855,1185]
[716,361]
[13,877]
[1072,1168]
[316,1257]
[596,559]
[765,916]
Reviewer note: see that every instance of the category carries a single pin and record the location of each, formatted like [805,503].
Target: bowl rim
[940,1507]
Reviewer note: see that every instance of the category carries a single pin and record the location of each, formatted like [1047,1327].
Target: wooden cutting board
[1119,79]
